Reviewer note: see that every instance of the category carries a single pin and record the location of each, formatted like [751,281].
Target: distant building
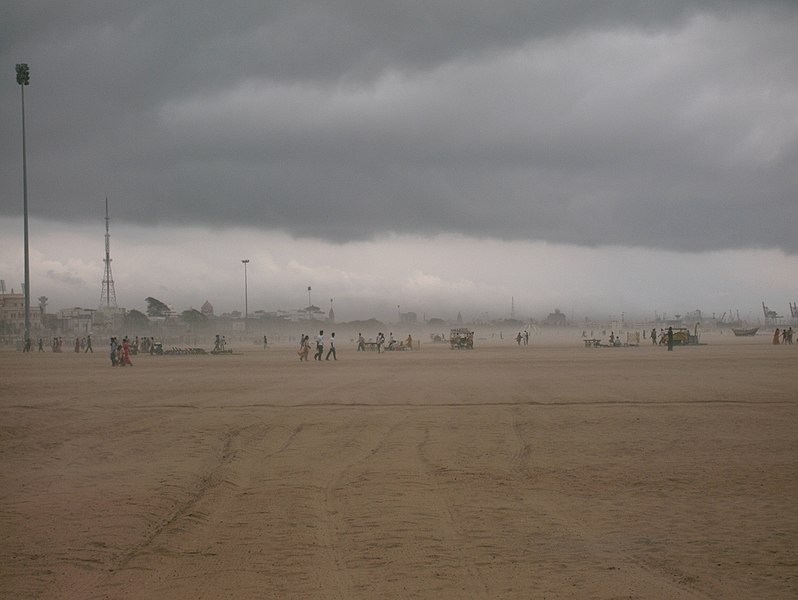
[12,314]
[76,320]
[207,309]
[310,313]
[108,318]
[555,318]
[408,318]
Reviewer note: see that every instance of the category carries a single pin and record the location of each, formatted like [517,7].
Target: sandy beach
[548,471]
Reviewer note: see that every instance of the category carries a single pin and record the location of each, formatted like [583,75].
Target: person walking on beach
[332,347]
[304,348]
[776,337]
[126,353]
[361,343]
[380,341]
[88,345]
[319,345]
[113,352]
[670,339]
[654,336]
[408,343]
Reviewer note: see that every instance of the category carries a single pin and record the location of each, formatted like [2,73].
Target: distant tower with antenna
[108,297]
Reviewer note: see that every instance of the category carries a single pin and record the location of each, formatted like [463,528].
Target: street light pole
[246,302]
[23,79]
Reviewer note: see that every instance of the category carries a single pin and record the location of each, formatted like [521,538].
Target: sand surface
[503,472]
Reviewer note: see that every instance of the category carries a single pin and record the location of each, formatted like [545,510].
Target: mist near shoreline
[434,277]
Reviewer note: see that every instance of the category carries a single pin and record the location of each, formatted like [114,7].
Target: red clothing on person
[126,353]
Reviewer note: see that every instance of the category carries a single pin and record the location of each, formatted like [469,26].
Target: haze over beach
[443,158]
[417,167]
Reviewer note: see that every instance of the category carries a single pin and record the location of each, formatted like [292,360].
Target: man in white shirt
[319,345]
[332,348]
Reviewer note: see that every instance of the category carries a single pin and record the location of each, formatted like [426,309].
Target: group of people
[84,344]
[784,334]
[220,343]
[523,337]
[321,341]
[304,347]
[378,343]
[57,344]
[405,344]
[615,340]
[665,337]
[381,344]
[120,353]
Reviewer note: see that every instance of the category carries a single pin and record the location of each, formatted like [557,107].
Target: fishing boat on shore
[744,332]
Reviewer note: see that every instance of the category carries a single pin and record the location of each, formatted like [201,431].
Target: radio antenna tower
[108,297]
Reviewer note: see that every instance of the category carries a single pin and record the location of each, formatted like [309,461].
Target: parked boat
[745,332]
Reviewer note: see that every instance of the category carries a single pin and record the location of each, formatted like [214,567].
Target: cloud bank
[671,126]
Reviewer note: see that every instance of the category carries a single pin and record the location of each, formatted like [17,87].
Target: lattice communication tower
[108,296]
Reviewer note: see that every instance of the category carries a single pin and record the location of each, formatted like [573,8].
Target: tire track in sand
[206,484]
[203,546]
[397,532]
[360,449]
[609,560]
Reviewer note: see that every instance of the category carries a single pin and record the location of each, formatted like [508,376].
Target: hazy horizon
[382,278]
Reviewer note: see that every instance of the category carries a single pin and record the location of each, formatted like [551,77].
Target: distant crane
[771,317]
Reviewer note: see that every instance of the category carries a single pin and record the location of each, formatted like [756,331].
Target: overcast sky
[428,156]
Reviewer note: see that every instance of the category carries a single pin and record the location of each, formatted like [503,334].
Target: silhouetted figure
[319,345]
[332,347]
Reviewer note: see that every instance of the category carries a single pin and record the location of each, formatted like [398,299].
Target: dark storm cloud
[662,124]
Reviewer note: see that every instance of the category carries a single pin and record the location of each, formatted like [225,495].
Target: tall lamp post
[246,302]
[23,79]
